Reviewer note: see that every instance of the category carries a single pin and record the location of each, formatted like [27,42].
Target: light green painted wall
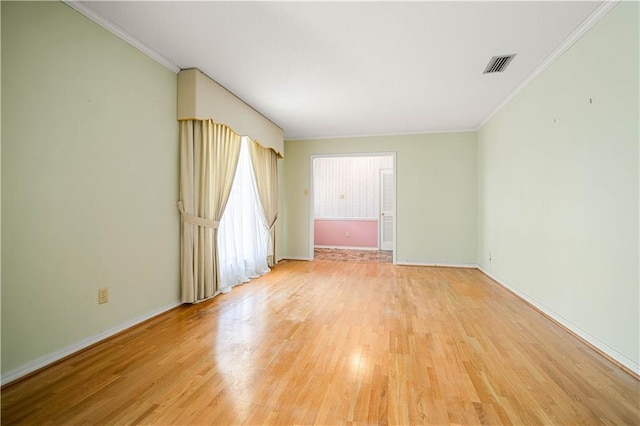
[0,183]
[280,228]
[436,193]
[558,187]
[89,181]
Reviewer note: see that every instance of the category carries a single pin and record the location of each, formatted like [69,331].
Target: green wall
[436,194]
[545,197]
[558,188]
[89,182]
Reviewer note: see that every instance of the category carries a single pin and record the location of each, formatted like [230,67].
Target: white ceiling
[321,69]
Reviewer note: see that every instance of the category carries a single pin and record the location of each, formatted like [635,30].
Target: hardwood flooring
[337,343]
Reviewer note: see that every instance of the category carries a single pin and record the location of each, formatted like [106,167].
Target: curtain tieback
[196,220]
[273,223]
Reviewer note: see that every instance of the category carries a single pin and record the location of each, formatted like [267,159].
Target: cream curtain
[208,159]
[265,166]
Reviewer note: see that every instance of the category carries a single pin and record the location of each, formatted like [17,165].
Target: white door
[387,209]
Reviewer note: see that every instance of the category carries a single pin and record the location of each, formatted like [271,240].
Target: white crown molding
[381,135]
[86,10]
[597,14]
[588,23]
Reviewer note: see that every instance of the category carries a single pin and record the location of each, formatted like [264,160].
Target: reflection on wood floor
[343,255]
[337,343]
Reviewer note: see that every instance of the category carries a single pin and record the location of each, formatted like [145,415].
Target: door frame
[381,172]
[354,154]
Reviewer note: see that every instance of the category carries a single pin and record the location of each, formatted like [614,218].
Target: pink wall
[362,233]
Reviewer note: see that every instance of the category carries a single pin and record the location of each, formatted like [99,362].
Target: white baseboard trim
[52,357]
[347,247]
[442,265]
[616,356]
[347,219]
[295,258]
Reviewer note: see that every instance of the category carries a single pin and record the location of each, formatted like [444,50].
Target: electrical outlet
[346,234]
[103,295]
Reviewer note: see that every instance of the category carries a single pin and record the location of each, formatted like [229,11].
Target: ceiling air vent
[498,63]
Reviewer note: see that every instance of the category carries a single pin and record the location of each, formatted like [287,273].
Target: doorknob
[381,214]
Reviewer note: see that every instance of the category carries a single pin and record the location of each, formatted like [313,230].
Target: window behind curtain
[242,234]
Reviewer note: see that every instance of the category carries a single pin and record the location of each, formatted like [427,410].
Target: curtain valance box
[201,98]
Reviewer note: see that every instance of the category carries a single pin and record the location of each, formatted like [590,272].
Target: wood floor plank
[337,343]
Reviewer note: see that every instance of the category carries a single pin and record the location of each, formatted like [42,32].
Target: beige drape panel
[208,159]
[265,166]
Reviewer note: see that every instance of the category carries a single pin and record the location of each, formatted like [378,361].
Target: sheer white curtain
[243,238]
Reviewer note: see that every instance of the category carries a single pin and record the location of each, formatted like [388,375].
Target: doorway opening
[352,211]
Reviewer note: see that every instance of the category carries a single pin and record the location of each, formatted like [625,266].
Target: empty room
[320,212]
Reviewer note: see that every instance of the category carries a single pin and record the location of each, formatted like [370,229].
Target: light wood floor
[333,343]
